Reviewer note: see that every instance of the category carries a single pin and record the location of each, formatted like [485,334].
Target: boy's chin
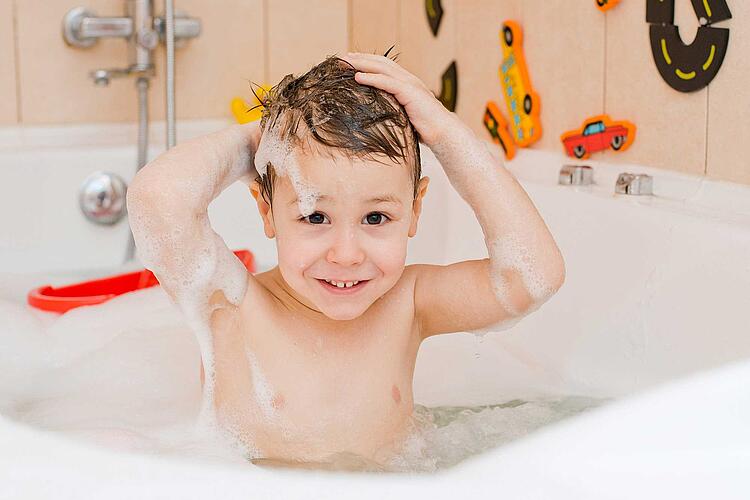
[344,314]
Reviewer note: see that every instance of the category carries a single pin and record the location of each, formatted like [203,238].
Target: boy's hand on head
[428,115]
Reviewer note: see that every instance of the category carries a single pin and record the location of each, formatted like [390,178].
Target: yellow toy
[525,126]
[246,114]
[522,101]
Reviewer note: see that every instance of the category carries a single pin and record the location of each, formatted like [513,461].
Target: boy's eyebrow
[382,198]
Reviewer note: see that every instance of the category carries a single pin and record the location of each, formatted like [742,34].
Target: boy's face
[358,230]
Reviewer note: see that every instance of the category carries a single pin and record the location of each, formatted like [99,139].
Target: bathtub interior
[654,287]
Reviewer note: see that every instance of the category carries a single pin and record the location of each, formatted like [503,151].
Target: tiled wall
[582,62]
[8,102]
[241,41]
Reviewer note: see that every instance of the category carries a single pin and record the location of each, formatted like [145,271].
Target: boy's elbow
[556,275]
[137,196]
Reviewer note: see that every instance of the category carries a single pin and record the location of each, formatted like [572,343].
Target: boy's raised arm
[524,267]
[168,212]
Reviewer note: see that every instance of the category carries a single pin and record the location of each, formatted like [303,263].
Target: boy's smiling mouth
[342,287]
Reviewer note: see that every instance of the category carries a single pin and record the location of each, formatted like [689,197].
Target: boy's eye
[314,218]
[375,218]
[372,219]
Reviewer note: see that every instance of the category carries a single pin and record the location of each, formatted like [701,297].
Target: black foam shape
[694,61]
[719,10]
[449,87]
[658,12]
[434,14]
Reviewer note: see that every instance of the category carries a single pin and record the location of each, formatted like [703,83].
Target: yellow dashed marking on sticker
[665,52]
[685,76]
[710,57]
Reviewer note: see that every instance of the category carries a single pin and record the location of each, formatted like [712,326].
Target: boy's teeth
[342,284]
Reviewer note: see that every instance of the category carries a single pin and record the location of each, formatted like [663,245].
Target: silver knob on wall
[102,198]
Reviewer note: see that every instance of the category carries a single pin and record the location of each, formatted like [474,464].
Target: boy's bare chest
[290,383]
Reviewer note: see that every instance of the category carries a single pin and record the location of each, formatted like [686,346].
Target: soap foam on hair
[279,153]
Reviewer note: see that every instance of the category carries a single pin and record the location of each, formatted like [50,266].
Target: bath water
[123,375]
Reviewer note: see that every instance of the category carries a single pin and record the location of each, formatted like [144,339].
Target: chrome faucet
[576,175]
[139,27]
[634,184]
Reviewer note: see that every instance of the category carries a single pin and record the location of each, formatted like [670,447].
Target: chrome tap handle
[184,27]
[82,27]
[634,184]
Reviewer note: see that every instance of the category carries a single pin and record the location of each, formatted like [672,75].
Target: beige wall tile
[564,46]
[422,53]
[729,103]
[217,66]
[209,70]
[374,25]
[8,107]
[671,124]
[301,33]
[479,57]
[54,77]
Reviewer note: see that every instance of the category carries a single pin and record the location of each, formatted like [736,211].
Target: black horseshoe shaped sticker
[449,87]
[688,68]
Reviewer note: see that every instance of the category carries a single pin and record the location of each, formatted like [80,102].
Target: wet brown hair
[339,113]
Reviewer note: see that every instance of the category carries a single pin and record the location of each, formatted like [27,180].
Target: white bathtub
[653,312]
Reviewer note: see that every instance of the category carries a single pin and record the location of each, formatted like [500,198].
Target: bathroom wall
[582,62]
[241,41]
[8,102]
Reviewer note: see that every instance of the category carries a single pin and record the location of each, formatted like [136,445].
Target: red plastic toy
[597,134]
[89,293]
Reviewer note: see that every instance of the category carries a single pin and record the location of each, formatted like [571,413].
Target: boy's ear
[264,209]
[417,206]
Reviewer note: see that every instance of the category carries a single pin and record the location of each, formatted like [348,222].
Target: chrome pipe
[169,32]
[142,84]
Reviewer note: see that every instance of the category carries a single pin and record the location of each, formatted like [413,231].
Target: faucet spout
[102,77]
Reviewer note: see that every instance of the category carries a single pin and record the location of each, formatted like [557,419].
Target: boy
[314,358]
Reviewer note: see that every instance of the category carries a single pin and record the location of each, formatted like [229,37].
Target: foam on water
[125,375]
[121,375]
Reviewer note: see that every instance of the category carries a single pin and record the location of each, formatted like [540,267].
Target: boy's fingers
[372,66]
[372,63]
[400,71]
[404,93]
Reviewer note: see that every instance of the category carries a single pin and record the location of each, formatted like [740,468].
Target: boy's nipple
[396,394]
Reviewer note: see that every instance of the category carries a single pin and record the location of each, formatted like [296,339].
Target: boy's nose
[345,249]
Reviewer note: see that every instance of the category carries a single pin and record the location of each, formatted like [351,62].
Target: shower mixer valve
[142,30]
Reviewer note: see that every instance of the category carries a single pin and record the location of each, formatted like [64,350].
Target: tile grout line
[16,61]
[398,27]
[604,68]
[267,48]
[708,110]
[350,25]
